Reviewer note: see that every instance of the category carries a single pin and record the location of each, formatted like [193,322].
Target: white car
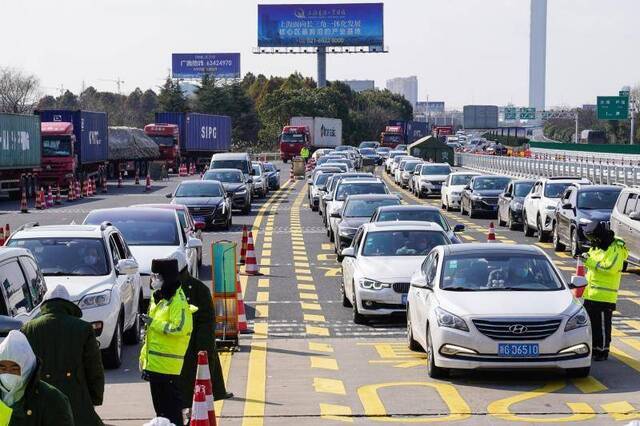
[260,181]
[452,188]
[376,268]
[395,162]
[432,176]
[151,234]
[406,172]
[95,265]
[539,206]
[390,156]
[474,307]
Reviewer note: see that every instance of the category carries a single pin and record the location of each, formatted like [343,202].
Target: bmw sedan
[206,200]
[235,183]
[418,213]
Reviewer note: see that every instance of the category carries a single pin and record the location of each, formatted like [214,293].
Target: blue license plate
[404,299]
[198,219]
[518,350]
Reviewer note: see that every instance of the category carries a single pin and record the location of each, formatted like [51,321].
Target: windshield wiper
[459,289]
[56,274]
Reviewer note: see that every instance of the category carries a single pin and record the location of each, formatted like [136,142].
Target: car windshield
[268,167]
[140,229]
[257,170]
[322,178]
[368,144]
[402,243]
[417,215]
[182,218]
[347,189]
[499,272]
[490,183]
[555,190]
[163,140]
[368,151]
[383,150]
[342,167]
[342,148]
[67,256]
[56,147]
[198,189]
[522,189]
[410,167]
[395,154]
[231,164]
[224,176]
[365,208]
[598,200]
[460,179]
[435,170]
[292,137]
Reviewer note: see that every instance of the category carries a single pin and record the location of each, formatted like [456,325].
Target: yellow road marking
[589,385]
[304,278]
[262,311]
[323,363]
[266,253]
[265,261]
[262,296]
[468,237]
[563,255]
[544,245]
[300,258]
[310,306]
[324,385]
[326,246]
[301,264]
[316,331]
[225,363]
[310,287]
[308,296]
[263,283]
[256,389]
[314,318]
[624,357]
[626,293]
[566,268]
[243,283]
[633,324]
[268,239]
[340,413]
[303,271]
[266,246]
[621,410]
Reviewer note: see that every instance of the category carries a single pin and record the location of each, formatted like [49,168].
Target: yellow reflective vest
[304,152]
[604,271]
[5,414]
[168,335]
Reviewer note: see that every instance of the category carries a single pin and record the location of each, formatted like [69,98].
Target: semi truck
[20,151]
[199,135]
[406,131]
[392,136]
[167,137]
[312,132]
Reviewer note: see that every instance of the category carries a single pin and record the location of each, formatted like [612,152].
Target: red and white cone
[147,186]
[203,379]
[251,265]
[182,170]
[579,280]
[243,326]
[58,199]
[243,246]
[199,409]
[77,193]
[92,187]
[49,197]
[2,237]
[491,235]
[43,198]
[7,232]
[24,207]
[104,185]
[291,176]
[70,194]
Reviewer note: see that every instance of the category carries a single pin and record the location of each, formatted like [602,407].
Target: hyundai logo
[518,329]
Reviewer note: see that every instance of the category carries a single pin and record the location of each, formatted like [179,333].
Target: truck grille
[517,330]
[401,287]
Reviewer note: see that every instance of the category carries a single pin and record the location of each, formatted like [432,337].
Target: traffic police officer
[604,263]
[169,326]
[304,153]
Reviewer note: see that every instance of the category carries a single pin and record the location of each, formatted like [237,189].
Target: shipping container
[199,133]
[20,142]
[415,130]
[480,116]
[325,132]
[90,129]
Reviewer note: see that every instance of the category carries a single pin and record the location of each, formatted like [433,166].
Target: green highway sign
[624,93]
[527,113]
[510,113]
[613,107]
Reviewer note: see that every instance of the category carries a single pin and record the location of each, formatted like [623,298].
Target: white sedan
[377,267]
[452,188]
[471,307]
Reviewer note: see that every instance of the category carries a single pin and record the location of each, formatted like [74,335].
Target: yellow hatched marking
[633,324]
[262,296]
[300,258]
[266,246]
[566,268]
[625,358]
[301,264]
[309,287]
[308,296]
[310,306]
[325,257]
[323,363]
[320,347]
[626,293]
[324,385]
[304,278]
[303,271]
[468,237]
[563,255]
[589,385]
[316,331]
[544,245]
[265,261]
[621,410]
[326,246]
[268,239]
[340,413]
[262,311]
[263,283]
[266,253]
[314,318]
[265,271]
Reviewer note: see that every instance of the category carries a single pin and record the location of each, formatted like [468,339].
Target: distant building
[589,107]
[405,86]
[360,85]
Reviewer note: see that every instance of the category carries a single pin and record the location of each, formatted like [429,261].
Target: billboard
[435,106]
[195,65]
[317,25]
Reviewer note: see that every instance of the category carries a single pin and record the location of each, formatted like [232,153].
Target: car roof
[595,188]
[438,164]
[223,170]
[140,213]
[230,156]
[484,248]
[523,181]
[465,174]
[59,231]
[402,225]
[493,176]
[199,182]
[361,180]
[408,207]
[166,206]
[11,252]
[564,179]
[373,197]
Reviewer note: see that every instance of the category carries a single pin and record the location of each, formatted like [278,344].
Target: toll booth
[432,149]
[224,273]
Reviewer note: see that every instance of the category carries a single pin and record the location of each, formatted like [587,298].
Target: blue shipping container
[200,132]
[90,129]
[415,130]
[176,118]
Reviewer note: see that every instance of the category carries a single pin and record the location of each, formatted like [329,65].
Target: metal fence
[530,168]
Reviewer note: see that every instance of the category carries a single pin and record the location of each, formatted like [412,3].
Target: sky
[462,51]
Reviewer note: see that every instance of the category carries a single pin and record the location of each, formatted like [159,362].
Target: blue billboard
[317,25]
[435,106]
[195,65]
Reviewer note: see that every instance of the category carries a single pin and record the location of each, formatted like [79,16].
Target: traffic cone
[199,409]
[203,380]
[49,197]
[291,176]
[77,194]
[40,199]
[24,208]
[147,186]
[2,237]
[243,327]
[58,199]
[137,181]
[104,185]
[92,187]
[251,266]
[70,194]
[491,236]
[7,231]
[120,180]
[579,280]
[243,246]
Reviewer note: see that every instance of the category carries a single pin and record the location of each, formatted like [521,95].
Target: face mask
[9,381]
[156,283]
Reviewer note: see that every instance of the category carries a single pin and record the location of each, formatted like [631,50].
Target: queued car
[94,264]
[237,186]
[260,180]
[206,200]
[625,222]
[579,206]
[370,157]
[391,155]
[510,203]
[539,206]
[452,187]
[234,160]
[327,169]
[406,170]
[376,268]
[431,179]
[369,144]
[402,147]
[395,162]
[273,176]
[418,213]
[480,196]
[357,210]
[383,153]
[331,186]
[473,307]
[318,189]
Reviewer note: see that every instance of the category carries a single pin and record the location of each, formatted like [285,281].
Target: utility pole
[118,83]
[322,67]
[577,135]
[632,107]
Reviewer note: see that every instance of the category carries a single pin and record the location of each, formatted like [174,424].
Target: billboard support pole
[322,67]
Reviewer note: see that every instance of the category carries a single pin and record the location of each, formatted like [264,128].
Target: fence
[530,168]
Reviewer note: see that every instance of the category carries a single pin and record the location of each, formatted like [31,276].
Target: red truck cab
[442,131]
[291,141]
[392,136]
[167,137]
[58,157]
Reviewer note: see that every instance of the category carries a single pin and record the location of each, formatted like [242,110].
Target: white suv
[452,187]
[625,222]
[540,204]
[96,267]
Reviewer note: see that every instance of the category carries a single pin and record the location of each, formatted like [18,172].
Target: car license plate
[404,299]
[198,219]
[518,350]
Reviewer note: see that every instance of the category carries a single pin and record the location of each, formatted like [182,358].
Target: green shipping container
[20,141]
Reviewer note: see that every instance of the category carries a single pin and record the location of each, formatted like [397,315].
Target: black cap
[167,268]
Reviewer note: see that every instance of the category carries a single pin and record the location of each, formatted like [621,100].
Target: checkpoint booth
[432,149]
[299,167]
[224,273]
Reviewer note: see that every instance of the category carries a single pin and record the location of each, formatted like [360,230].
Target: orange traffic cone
[24,208]
[251,266]
[58,199]
[243,246]
[147,186]
[70,195]
[104,185]
[291,176]
[92,187]
[2,237]
[203,379]
[7,231]
[243,327]
[199,409]
[491,236]
[77,193]
[579,280]
[49,197]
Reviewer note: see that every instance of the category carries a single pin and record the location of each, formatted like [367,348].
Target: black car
[206,200]
[510,203]
[579,206]
[481,195]
[273,175]
[370,157]
[420,213]
[235,183]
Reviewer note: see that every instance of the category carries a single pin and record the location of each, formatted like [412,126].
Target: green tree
[171,97]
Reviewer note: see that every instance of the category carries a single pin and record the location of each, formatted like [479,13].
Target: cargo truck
[199,135]
[20,151]
[75,145]
[392,136]
[167,137]
[312,132]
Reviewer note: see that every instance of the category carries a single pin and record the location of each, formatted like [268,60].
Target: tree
[19,92]
[68,101]
[48,102]
[171,97]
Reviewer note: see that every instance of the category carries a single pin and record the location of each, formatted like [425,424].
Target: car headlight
[368,284]
[346,232]
[517,205]
[449,320]
[241,191]
[475,197]
[579,319]
[95,300]
[584,221]
[551,207]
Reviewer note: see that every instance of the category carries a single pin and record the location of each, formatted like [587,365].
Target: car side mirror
[336,214]
[169,195]
[194,243]
[458,228]
[567,206]
[309,182]
[249,180]
[506,195]
[635,216]
[322,188]
[467,187]
[420,282]
[127,267]
[348,252]
[7,324]
[535,197]
[327,197]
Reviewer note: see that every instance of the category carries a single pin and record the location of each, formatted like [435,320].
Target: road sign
[510,113]
[624,93]
[613,107]
[527,113]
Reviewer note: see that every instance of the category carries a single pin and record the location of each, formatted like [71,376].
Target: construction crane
[118,83]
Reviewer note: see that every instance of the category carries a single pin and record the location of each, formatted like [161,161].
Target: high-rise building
[360,85]
[405,86]
[538,54]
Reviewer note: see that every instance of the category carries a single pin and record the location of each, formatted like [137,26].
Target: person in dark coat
[24,398]
[70,354]
[202,338]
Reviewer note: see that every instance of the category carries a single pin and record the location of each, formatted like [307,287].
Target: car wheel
[528,232]
[461,208]
[471,212]
[576,250]
[358,318]
[443,205]
[542,235]
[331,236]
[578,372]
[345,300]
[510,223]
[433,370]
[557,244]
[112,356]
[133,335]
[411,342]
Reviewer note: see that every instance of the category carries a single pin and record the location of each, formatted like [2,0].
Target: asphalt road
[308,364]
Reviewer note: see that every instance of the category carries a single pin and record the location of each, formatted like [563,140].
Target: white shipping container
[325,132]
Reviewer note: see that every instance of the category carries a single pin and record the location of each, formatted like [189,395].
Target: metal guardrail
[530,168]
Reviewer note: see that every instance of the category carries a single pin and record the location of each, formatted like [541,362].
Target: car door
[35,282]
[504,200]
[618,225]
[18,301]
[133,280]
[415,179]
[421,301]
[349,264]
[531,203]
[630,226]
[123,282]
[565,216]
